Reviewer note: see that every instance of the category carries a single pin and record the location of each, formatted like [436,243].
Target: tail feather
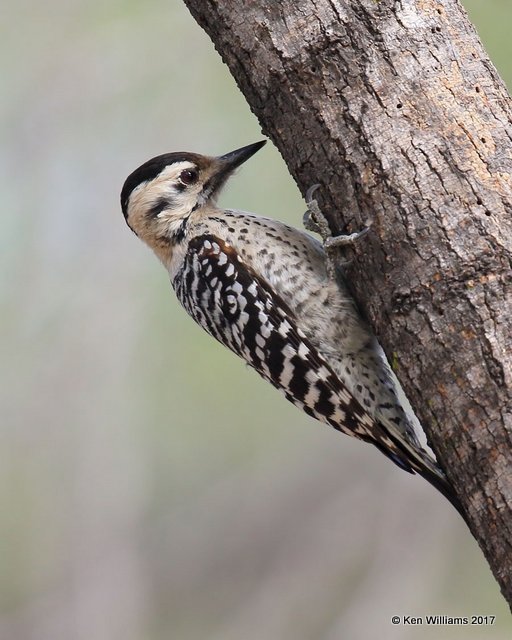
[416,460]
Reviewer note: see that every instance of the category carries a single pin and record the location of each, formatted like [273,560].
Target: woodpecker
[269,292]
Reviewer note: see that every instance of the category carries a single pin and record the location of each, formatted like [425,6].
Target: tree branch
[396,110]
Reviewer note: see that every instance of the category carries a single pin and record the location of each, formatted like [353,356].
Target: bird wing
[242,311]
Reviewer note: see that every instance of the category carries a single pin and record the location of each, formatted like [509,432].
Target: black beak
[234,159]
[225,165]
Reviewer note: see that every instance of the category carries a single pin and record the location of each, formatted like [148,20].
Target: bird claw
[314,220]
[343,240]
[311,191]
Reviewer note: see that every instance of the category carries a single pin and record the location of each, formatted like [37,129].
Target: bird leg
[314,220]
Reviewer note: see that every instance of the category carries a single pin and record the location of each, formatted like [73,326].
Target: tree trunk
[394,108]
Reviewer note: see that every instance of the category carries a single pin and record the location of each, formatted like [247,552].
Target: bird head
[158,197]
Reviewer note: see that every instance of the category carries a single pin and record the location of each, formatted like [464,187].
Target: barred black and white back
[239,309]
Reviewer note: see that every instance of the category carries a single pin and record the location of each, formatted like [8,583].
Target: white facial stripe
[172,171]
[168,173]
[177,203]
[148,192]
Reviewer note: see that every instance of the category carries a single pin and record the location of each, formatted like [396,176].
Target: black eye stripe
[159,206]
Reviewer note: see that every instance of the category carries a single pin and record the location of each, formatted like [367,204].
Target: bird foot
[314,220]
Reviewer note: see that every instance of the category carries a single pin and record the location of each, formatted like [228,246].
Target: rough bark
[394,108]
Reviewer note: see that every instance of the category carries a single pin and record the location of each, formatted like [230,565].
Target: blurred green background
[151,485]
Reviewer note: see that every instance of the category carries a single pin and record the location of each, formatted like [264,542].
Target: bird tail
[415,459]
[437,478]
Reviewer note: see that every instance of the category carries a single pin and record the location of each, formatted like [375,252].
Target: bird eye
[188,176]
